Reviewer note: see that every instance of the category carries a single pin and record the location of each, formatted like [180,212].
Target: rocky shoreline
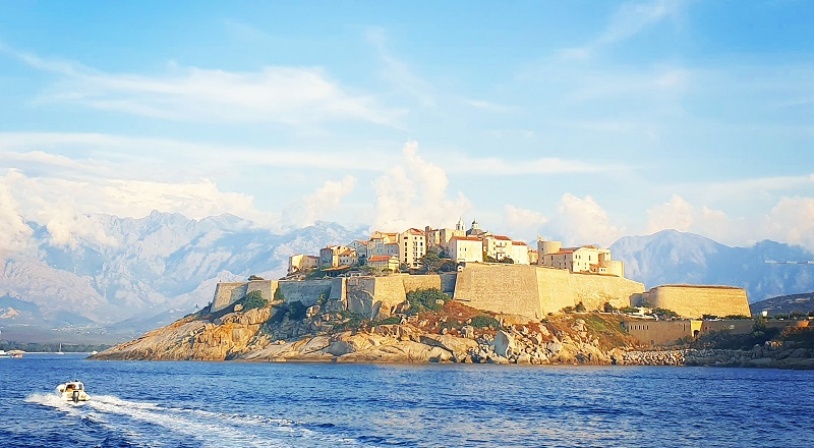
[564,340]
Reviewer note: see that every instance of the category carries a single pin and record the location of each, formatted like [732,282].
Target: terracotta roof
[518,243]
[379,258]
[501,237]
[465,238]
[563,252]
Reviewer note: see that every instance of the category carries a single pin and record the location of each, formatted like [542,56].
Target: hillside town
[386,252]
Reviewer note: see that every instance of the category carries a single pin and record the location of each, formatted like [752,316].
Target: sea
[233,404]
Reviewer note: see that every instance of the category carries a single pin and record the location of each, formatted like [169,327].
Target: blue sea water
[200,404]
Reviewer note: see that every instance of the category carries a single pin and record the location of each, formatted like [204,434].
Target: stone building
[589,259]
[302,263]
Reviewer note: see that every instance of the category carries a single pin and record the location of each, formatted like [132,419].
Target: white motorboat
[73,391]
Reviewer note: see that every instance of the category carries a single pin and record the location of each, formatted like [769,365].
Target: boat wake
[150,424]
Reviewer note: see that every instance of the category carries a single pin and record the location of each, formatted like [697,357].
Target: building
[412,247]
[302,263]
[498,247]
[329,256]
[586,259]
[520,253]
[475,230]
[382,243]
[348,257]
[438,239]
[533,255]
[360,247]
[466,249]
[384,262]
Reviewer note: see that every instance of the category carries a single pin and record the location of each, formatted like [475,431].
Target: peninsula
[573,306]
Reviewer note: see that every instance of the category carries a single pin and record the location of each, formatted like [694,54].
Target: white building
[466,249]
[412,247]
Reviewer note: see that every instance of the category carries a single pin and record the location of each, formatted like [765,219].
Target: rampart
[695,301]
[227,293]
[662,332]
[528,291]
[533,292]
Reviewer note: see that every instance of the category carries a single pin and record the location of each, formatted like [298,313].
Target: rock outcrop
[326,333]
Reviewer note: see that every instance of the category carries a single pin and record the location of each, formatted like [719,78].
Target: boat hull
[73,392]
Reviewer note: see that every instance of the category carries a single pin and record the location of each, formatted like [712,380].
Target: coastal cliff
[439,330]
[453,333]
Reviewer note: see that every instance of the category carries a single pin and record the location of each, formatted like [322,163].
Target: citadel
[488,272]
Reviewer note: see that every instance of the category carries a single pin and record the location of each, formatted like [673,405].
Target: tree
[430,262]
[255,277]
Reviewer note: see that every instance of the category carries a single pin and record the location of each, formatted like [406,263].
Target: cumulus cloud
[14,233]
[63,205]
[323,203]
[288,95]
[792,221]
[522,223]
[676,214]
[583,221]
[413,194]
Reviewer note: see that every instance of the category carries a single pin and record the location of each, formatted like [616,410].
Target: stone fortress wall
[533,292]
[694,301]
[521,290]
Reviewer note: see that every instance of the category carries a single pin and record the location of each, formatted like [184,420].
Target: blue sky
[582,121]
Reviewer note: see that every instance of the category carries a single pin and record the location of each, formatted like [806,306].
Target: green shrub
[253,300]
[255,277]
[422,300]
[484,322]
[665,313]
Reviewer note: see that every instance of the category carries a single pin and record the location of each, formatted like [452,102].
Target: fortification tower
[547,247]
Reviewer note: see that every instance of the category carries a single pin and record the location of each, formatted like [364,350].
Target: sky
[580,121]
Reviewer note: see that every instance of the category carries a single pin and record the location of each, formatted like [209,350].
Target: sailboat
[60,352]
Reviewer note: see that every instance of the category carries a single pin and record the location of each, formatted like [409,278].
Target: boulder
[504,344]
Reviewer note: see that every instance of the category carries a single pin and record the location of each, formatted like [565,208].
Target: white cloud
[413,194]
[109,155]
[288,95]
[627,21]
[583,221]
[62,205]
[14,233]
[792,221]
[523,224]
[398,73]
[494,166]
[676,214]
[324,203]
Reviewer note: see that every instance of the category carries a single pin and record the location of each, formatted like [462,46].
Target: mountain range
[125,275]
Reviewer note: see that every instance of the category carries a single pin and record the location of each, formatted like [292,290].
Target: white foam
[143,420]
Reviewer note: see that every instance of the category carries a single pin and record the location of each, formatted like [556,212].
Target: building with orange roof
[584,259]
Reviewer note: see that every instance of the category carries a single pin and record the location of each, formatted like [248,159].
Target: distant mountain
[670,257]
[793,303]
[125,269]
[131,275]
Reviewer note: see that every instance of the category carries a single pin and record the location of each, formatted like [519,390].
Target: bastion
[695,301]
[534,292]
